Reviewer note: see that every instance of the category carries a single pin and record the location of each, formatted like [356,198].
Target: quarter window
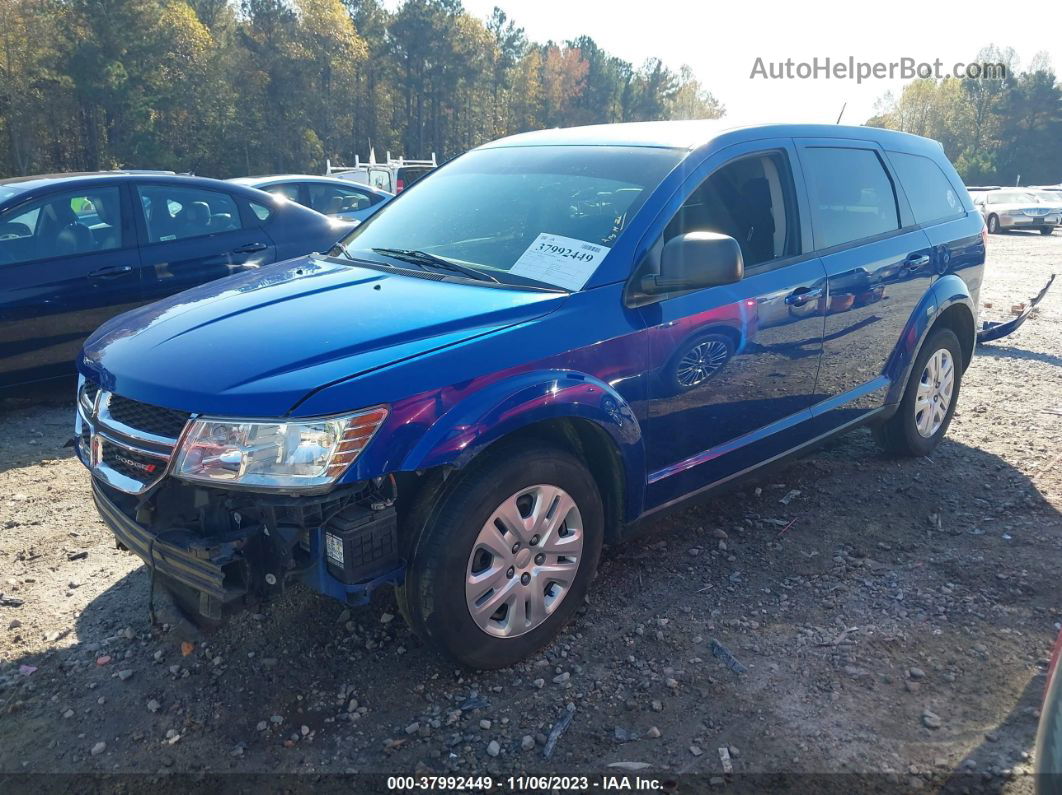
[851,195]
[61,225]
[931,195]
[174,212]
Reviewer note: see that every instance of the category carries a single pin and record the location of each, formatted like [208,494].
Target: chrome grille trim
[101,437]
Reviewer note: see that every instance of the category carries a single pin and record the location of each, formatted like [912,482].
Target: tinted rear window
[851,195]
[931,195]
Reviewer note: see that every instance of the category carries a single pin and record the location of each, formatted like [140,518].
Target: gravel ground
[894,618]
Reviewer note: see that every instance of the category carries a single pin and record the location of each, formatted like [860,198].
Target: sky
[722,41]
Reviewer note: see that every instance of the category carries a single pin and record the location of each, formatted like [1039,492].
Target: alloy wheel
[701,362]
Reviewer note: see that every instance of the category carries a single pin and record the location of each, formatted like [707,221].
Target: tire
[681,374]
[1046,230]
[901,433]
[993,225]
[449,552]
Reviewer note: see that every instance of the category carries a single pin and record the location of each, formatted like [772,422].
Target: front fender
[946,292]
[506,406]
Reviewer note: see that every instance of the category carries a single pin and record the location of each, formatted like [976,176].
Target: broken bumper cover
[220,569]
[994,331]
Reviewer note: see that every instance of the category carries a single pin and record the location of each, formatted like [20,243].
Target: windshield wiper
[424,258]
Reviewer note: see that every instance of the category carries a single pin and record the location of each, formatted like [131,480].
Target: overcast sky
[721,42]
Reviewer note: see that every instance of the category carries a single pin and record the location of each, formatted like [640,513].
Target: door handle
[250,248]
[802,295]
[915,261]
[110,272]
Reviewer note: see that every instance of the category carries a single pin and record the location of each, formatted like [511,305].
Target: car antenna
[839,115]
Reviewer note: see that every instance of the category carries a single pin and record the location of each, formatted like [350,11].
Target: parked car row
[466,398]
[76,249]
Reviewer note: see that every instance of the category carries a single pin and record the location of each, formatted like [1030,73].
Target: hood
[257,343]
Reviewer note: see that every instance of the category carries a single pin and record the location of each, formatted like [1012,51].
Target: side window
[751,200]
[333,199]
[381,179]
[851,195]
[931,195]
[289,191]
[174,212]
[261,212]
[60,225]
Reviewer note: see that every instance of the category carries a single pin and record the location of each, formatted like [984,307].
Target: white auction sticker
[563,261]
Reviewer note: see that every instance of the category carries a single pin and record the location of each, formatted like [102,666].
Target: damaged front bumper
[994,331]
[346,557]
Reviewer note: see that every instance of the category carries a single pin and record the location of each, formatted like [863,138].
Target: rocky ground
[892,617]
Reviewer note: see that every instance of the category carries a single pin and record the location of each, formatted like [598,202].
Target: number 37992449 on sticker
[563,261]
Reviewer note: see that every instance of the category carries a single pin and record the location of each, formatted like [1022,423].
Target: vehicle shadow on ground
[256,666]
[994,351]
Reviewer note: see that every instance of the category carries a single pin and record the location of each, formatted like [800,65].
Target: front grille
[90,391]
[155,420]
[132,464]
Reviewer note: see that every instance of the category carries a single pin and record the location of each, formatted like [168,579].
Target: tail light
[400,184]
[984,236]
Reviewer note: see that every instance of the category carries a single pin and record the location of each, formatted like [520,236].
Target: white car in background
[1017,208]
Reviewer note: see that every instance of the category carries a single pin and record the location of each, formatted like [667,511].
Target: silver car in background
[1018,208]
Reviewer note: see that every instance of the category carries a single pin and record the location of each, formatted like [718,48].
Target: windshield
[524,215]
[1047,196]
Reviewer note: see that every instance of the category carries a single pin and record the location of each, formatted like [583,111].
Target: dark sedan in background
[76,249]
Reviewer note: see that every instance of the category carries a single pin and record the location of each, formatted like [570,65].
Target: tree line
[996,131]
[226,88]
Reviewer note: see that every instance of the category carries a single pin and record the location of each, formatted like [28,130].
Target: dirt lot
[899,626]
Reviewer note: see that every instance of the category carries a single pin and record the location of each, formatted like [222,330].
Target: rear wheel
[993,225]
[505,557]
[929,400]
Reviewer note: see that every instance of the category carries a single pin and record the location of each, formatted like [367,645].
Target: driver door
[733,367]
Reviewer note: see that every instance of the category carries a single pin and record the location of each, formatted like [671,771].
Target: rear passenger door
[190,235]
[878,265]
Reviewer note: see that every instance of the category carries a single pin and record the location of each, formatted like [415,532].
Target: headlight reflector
[268,454]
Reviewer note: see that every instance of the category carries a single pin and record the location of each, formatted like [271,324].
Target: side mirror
[696,260]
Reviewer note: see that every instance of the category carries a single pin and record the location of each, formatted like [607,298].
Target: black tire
[1048,761]
[720,344]
[1046,230]
[993,225]
[899,434]
[432,599]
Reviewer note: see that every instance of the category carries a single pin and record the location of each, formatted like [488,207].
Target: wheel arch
[574,411]
[947,304]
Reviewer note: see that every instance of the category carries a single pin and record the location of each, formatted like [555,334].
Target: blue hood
[257,343]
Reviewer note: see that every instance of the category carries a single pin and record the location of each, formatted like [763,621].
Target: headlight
[300,454]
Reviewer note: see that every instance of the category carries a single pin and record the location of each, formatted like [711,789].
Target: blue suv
[524,356]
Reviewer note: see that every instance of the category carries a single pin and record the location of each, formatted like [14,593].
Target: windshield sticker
[563,261]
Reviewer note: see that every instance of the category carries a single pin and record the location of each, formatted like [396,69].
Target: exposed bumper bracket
[994,331]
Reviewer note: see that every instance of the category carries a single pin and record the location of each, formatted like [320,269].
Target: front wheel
[929,400]
[505,557]
[993,225]
[1046,230]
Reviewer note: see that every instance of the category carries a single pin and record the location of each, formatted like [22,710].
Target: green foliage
[996,131]
[226,87]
